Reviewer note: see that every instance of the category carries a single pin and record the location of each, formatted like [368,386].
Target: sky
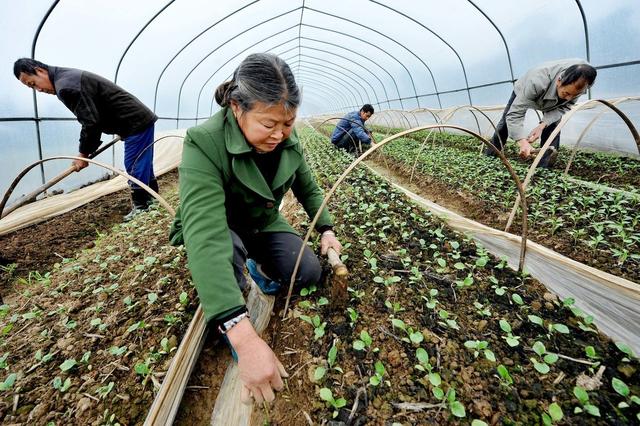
[344,53]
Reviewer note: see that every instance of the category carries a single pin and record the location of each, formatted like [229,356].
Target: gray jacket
[537,90]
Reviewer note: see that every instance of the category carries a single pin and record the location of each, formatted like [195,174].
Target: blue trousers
[138,156]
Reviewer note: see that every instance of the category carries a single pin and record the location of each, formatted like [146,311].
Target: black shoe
[489,152]
[140,200]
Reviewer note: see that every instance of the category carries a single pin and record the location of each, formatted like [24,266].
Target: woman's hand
[329,240]
[260,371]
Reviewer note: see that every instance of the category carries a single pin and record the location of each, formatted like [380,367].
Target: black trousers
[276,252]
[350,142]
[502,133]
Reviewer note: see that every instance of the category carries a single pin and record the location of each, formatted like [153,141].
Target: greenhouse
[312,212]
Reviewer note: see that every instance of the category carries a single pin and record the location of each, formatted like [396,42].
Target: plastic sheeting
[614,302]
[167,156]
[607,133]
[229,410]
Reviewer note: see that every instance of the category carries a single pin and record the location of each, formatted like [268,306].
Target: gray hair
[261,77]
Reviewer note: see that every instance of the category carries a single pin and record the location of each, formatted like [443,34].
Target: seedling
[58,384]
[353,316]
[583,399]
[364,342]
[337,404]
[512,340]
[395,307]
[504,376]
[413,336]
[317,323]
[308,290]
[8,382]
[621,388]
[386,281]
[319,373]
[448,322]
[547,359]
[554,416]
[380,371]
[103,391]
[481,310]
[625,349]
[480,346]
[431,300]
[68,364]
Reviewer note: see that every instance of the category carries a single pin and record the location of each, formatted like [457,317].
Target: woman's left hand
[329,240]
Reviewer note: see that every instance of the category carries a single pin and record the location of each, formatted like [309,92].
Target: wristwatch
[224,327]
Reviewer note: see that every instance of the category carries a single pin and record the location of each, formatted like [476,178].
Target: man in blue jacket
[350,133]
[100,107]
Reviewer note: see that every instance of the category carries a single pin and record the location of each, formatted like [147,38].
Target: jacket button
[269,205]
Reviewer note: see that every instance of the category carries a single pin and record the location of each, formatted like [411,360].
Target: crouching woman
[235,170]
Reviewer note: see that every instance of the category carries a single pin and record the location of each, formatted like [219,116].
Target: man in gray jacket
[553,88]
[101,107]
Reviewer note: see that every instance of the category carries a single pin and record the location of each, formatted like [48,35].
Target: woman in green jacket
[235,170]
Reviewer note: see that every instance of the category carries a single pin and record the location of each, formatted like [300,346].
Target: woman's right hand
[260,370]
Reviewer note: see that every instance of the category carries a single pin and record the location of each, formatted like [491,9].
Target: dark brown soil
[62,236]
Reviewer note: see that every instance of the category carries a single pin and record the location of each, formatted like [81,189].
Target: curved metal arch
[586,37]
[451,113]
[36,114]
[455,52]
[591,123]
[354,164]
[435,116]
[375,94]
[336,80]
[232,58]
[435,86]
[556,132]
[504,41]
[155,96]
[336,106]
[308,65]
[311,78]
[368,70]
[115,79]
[245,31]
[370,45]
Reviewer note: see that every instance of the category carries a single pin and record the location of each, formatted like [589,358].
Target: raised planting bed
[592,226]
[608,168]
[89,341]
[437,331]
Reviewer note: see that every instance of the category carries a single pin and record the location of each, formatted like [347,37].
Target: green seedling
[512,340]
[447,322]
[319,373]
[547,359]
[317,323]
[353,316]
[504,376]
[308,290]
[554,416]
[467,282]
[140,325]
[536,320]
[337,404]
[386,281]
[364,342]
[61,386]
[431,300]
[413,336]
[8,383]
[395,307]
[625,349]
[559,328]
[183,298]
[622,389]
[380,371]
[481,309]
[583,398]
[478,347]
[68,364]
[103,391]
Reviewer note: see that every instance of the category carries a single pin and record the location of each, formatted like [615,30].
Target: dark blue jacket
[347,124]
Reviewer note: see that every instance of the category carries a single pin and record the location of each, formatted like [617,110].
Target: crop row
[438,330]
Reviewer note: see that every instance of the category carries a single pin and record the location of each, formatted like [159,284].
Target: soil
[90,340]
[491,215]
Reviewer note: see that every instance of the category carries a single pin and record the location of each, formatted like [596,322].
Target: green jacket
[221,188]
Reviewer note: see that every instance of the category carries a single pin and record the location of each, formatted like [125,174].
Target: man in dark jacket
[100,107]
[350,133]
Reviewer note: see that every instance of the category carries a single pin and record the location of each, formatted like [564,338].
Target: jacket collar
[245,169]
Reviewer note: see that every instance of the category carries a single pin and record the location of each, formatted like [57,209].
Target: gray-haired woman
[235,170]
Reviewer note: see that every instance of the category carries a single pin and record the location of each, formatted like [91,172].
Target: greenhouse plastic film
[229,410]
[613,301]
